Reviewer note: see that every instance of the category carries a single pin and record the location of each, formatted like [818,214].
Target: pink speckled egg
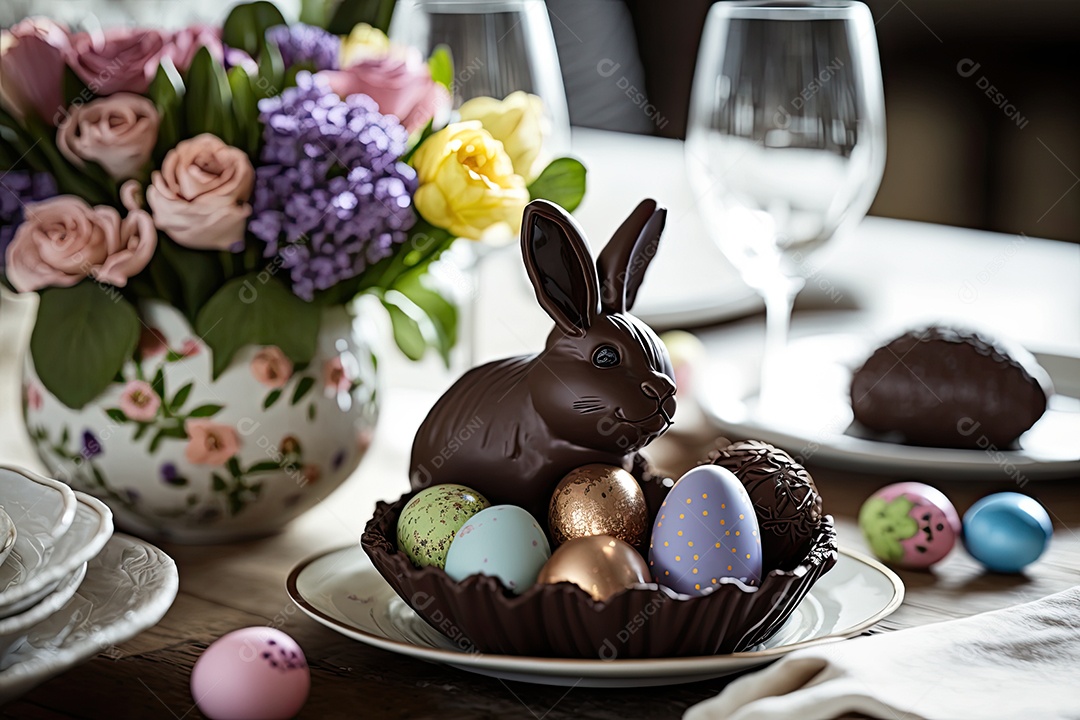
[910,524]
[256,672]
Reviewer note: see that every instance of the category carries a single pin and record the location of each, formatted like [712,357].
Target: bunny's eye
[606,356]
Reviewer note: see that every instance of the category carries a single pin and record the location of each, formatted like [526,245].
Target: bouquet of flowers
[249,176]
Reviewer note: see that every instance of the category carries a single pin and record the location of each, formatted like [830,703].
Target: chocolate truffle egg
[706,531]
[785,499]
[429,521]
[909,524]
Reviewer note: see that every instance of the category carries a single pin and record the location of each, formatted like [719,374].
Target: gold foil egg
[598,500]
[600,565]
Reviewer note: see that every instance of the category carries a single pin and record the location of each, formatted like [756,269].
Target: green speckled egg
[430,520]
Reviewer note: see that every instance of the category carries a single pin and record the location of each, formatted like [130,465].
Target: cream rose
[519,123]
[63,240]
[200,195]
[117,132]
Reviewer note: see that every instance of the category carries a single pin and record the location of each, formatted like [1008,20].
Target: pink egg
[910,524]
[256,672]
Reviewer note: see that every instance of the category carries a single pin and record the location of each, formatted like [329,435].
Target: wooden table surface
[890,272]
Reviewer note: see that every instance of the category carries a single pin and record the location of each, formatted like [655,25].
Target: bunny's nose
[658,387]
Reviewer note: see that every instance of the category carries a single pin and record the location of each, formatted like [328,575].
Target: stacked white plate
[69,587]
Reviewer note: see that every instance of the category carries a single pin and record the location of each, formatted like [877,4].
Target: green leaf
[141,430]
[81,339]
[167,93]
[311,411]
[75,90]
[302,388]
[217,483]
[116,414]
[376,13]
[177,431]
[254,311]
[89,182]
[408,323]
[158,383]
[441,64]
[208,102]
[233,466]
[271,398]
[562,182]
[264,466]
[180,397]
[205,411]
[271,78]
[245,107]
[246,26]
[198,275]
[156,442]
[442,313]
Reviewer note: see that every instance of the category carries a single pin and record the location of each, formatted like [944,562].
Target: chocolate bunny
[600,391]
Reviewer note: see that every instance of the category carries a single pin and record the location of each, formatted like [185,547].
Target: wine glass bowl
[785,141]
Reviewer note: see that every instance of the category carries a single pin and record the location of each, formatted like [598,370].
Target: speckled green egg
[430,520]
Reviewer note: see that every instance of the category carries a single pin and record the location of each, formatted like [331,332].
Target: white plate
[88,533]
[816,420]
[42,510]
[128,588]
[342,590]
[690,282]
[8,535]
[15,627]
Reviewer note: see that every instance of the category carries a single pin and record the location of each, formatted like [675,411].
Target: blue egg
[503,541]
[706,531]
[1007,531]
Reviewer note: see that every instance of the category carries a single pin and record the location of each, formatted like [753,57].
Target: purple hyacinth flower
[17,188]
[307,44]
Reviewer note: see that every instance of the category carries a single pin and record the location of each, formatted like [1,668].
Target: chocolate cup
[564,621]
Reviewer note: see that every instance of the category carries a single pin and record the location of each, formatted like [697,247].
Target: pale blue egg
[706,531]
[1007,531]
[503,541]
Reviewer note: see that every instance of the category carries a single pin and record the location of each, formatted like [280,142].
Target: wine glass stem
[779,300]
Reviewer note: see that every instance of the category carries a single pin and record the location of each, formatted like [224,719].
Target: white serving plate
[342,590]
[8,535]
[816,420]
[128,588]
[42,510]
[89,531]
[15,627]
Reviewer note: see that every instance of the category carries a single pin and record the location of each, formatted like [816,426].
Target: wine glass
[785,144]
[498,47]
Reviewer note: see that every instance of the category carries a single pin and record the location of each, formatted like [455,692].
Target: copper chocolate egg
[600,565]
[598,500]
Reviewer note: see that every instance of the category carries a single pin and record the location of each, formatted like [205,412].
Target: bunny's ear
[627,255]
[560,266]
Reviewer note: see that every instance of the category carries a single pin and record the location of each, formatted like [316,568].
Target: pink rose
[32,68]
[400,83]
[209,443]
[118,60]
[34,399]
[183,44]
[271,367]
[200,195]
[117,132]
[310,474]
[139,402]
[336,378]
[63,240]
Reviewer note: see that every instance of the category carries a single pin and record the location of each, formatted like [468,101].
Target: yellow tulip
[363,42]
[519,123]
[468,184]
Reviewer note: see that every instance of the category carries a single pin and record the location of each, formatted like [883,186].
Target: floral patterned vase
[183,457]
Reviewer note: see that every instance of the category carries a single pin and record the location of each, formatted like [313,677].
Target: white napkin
[1020,662]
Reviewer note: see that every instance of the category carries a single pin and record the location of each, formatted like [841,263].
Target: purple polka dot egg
[503,541]
[706,531]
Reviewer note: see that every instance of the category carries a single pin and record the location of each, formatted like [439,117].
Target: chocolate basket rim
[374,540]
